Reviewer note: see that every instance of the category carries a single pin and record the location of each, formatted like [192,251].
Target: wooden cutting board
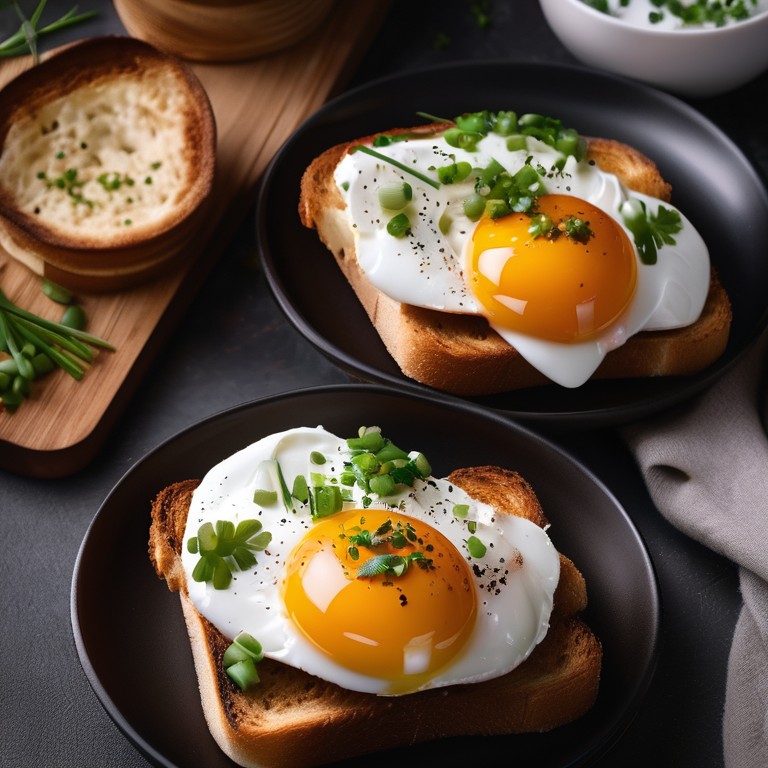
[257,104]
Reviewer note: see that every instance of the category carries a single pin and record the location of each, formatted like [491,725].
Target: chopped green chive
[476,547]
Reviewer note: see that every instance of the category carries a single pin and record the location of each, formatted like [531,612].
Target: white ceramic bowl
[688,62]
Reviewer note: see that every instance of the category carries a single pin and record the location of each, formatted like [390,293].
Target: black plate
[129,629]
[713,182]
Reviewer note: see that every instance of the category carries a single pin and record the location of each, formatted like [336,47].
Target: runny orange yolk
[555,288]
[398,628]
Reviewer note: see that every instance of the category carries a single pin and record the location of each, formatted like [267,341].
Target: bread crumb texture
[101,156]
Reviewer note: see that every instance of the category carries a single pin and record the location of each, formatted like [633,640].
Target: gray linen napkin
[706,469]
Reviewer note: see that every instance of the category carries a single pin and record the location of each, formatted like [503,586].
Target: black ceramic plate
[129,629]
[713,182]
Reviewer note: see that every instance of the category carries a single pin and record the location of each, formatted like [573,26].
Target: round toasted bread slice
[108,155]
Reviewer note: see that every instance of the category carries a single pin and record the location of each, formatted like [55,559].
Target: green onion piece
[474,206]
[399,226]
[424,467]
[20,386]
[528,178]
[264,498]
[489,174]
[55,338]
[467,140]
[56,292]
[568,142]
[366,463]
[395,196]
[517,142]
[9,367]
[206,536]
[58,356]
[382,485]
[300,490]
[460,510]
[5,381]
[42,363]
[287,500]
[497,208]
[24,40]
[23,364]
[389,452]
[505,123]
[316,479]
[317,458]
[454,173]
[445,222]
[225,536]
[234,654]
[369,441]
[327,501]
[243,674]
[11,401]
[53,326]
[74,317]
[222,575]
[397,164]
[250,645]
[476,547]
[474,122]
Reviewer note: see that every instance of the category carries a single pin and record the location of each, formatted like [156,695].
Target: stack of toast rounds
[107,160]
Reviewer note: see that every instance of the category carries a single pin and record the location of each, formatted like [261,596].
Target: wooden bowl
[222,30]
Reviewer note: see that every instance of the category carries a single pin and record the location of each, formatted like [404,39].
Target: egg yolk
[400,628]
[553,286]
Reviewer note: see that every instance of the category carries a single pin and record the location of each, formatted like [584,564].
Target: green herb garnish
[373,457]
[387,534]
[392,565]
[650,231]
[691,14]
[34,346]
[476,547]
[225,548]
[240,660]
[25,40]
[397,164]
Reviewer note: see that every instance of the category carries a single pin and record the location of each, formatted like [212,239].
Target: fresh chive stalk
[36,346]
[24,40]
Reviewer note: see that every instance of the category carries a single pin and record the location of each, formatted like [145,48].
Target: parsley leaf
[395,565]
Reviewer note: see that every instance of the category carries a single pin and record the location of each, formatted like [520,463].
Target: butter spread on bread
[519,253]
[446,592]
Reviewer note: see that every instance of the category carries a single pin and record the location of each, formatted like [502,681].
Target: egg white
[429,269]
[513,609]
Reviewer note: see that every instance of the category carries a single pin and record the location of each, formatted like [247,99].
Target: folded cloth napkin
[706,469]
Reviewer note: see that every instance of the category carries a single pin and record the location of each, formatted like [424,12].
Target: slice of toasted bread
[107,157]
[461,354]
[293,719]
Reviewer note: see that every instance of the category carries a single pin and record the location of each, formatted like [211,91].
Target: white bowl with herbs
[693,48]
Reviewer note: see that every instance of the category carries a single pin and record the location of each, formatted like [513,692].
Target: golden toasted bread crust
[291,717]
[461,354]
